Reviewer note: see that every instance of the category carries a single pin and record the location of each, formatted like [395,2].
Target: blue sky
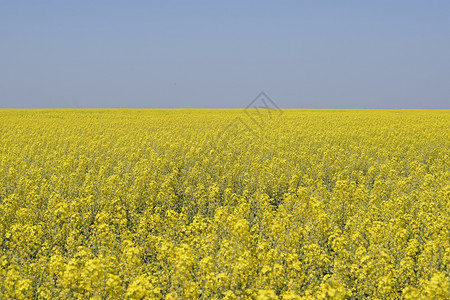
[221,54]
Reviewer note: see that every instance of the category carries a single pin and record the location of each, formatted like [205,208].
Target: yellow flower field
[224,204]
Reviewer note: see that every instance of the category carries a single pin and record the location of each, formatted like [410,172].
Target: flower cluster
[178,204]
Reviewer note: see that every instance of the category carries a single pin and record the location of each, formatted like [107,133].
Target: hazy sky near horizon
[221,54]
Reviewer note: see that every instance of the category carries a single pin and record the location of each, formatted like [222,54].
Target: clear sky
[221,54]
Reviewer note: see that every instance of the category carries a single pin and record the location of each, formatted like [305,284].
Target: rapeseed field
[224,204]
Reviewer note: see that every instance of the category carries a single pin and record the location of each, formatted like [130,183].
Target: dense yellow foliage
[144,204]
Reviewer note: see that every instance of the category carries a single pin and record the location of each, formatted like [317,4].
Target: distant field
[225,204]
